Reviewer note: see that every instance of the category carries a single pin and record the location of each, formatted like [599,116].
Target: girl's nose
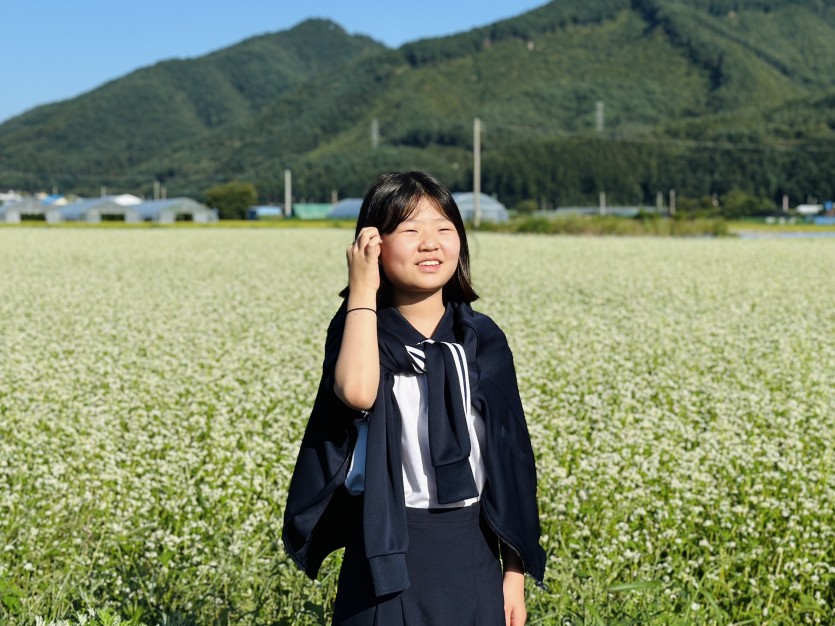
[428,242]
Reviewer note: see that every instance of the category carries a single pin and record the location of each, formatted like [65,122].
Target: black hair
[390,200]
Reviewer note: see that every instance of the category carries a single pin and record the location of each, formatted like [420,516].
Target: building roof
[78,210]
[125,199]
[27,206]
[54,199]
[347,208]
[152,208]
[491,209]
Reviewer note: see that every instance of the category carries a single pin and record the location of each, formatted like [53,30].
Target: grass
[641,226]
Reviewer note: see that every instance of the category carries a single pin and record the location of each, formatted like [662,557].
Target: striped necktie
[448,385]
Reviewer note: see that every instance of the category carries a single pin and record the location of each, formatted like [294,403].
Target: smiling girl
[416,456]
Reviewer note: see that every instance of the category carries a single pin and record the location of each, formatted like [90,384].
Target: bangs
[401,211]
[401,208]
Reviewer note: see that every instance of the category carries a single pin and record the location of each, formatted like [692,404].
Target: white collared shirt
[410,392]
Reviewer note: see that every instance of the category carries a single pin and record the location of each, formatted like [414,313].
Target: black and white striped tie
[448,384]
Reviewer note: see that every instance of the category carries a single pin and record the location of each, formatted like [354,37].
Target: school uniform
[421,541]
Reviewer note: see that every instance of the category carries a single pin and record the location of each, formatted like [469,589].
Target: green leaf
[638,585]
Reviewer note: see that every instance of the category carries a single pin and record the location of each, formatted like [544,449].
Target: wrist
[514,577]
[362,298]
[511,561]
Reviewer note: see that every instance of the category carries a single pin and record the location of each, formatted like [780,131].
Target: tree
[526,207]
[737,203]
[232,199]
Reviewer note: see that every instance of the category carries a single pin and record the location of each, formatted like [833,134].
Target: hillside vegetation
[702,96]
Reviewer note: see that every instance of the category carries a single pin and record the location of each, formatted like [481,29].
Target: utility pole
[103,191]
[599,116]
[156,190]
[672,202]
[659,202]
[288,193]
[476,172]
[602,203]
[375,133]
[334,196]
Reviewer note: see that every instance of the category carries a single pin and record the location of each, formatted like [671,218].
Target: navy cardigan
[316,515]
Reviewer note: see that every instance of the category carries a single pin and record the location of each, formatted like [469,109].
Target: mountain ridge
[667,71]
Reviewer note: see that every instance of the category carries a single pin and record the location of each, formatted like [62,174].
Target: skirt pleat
[454,568]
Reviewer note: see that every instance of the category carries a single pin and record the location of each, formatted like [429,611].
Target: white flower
[676,392]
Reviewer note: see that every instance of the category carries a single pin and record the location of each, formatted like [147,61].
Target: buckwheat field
[154,384]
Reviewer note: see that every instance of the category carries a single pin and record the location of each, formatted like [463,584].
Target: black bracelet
[361,308]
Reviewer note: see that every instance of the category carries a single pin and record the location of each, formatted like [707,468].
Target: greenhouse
[173,210]
[491,209]
[28,208]
[125,199]
[346,209]
[96,209]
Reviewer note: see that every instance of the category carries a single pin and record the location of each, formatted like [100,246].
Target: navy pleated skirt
[454,568]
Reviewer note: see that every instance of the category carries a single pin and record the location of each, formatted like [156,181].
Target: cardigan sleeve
[509,500]
[313,520]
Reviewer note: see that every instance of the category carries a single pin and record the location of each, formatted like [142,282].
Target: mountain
[114,128]
[699,95]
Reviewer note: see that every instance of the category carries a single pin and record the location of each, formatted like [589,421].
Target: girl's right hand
[364,261]
[357,371]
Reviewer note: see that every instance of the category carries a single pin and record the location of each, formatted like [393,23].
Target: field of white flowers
[154,384]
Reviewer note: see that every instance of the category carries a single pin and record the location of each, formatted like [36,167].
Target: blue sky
[58,49]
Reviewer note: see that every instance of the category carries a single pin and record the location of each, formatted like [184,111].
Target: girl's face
[421,255]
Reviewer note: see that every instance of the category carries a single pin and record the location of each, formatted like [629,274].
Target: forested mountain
[114,128]
[698,95]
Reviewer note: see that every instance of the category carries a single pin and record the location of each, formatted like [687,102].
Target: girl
[416,456]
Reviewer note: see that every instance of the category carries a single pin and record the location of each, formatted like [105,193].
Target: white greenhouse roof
[78,210]
[491,209]
[28,205]
[153,208]
[125,199]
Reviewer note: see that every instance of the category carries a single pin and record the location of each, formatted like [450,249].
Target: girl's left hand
[513,586]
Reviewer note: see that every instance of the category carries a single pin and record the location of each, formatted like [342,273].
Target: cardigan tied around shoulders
[318,505]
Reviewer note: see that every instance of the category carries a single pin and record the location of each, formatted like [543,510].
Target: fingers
[367,243]
[363,257]
[515,616]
